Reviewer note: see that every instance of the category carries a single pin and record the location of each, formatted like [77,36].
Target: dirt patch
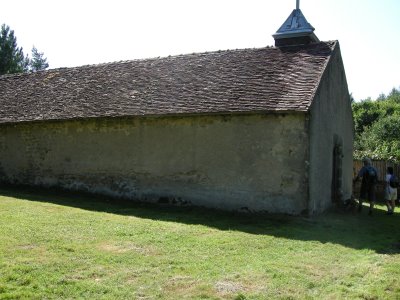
[121,248]
[181,285]
[229,287]
[28,247]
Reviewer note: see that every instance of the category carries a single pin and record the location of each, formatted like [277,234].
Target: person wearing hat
[369,175]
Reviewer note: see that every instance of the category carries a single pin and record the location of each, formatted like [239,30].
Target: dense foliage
[12,58]
[377,127]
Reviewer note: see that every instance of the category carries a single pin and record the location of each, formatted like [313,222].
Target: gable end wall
[331,123]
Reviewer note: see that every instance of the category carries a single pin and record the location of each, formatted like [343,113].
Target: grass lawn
[60,246]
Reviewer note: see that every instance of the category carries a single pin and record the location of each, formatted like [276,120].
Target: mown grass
[57,246]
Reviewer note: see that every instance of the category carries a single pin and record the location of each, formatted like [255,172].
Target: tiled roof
[232,81]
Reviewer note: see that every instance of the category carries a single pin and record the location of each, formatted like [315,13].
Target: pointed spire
[295,30]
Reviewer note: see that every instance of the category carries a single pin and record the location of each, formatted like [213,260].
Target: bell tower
[295,30]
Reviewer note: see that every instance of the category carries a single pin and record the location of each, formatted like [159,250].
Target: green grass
[60,246]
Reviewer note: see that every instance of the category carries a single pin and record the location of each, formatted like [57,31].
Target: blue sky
[80,32]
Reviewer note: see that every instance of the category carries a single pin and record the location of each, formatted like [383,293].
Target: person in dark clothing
[369,176]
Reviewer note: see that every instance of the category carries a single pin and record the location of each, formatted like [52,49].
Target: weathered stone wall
[254,162]
[331,123]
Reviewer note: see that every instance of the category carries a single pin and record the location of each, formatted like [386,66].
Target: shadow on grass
[379,232]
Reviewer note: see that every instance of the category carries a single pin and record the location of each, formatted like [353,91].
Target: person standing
[390,190]
[369,176]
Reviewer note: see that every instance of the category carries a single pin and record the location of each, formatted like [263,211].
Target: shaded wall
[331,125]
[254,162]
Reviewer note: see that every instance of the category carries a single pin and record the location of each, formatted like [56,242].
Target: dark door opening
[337,191]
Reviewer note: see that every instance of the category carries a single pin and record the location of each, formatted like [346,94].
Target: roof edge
[185,115]
[335,48]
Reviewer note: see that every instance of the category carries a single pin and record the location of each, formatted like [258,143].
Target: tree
[365,113]
[382,139]
[377,127]
[394,95]
[12,58]
[38,62]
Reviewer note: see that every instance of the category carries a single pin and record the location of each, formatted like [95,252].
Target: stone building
[266,129]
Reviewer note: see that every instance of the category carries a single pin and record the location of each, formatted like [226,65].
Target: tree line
[12,57]
[377,127]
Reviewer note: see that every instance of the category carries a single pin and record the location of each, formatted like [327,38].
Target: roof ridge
[119,62]
[268,79]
